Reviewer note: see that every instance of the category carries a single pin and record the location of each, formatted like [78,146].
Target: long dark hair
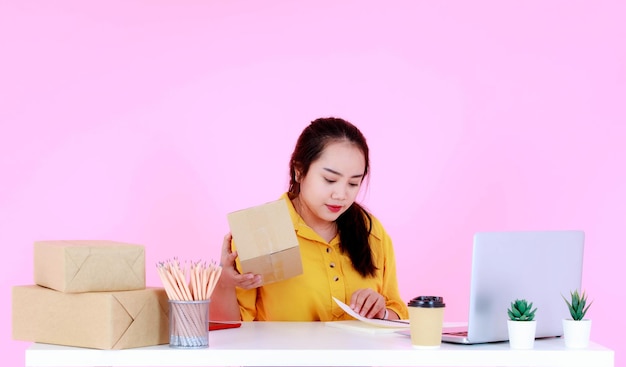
[355,224]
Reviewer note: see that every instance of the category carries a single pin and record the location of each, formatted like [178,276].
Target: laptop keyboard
[457,333]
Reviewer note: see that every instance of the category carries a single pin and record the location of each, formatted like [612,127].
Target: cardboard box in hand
[266,241]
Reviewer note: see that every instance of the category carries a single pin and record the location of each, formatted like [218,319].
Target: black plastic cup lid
[427,301]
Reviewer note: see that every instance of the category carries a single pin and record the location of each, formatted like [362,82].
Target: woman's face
[332,183]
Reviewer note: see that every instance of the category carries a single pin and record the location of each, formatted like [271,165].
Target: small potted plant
[521,324]
[577,330]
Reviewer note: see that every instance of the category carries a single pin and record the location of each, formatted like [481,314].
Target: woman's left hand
[368,303]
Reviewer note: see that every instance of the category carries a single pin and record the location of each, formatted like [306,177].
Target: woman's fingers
[368,303]
[230,272]
[248,281]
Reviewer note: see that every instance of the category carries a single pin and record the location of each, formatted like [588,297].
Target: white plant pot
[576,333]
[522,334]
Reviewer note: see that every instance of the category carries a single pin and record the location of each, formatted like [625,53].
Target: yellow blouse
[327,273]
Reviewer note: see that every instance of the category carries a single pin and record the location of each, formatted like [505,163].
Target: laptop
[538,266]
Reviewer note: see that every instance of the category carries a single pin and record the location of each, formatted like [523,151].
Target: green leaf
[516,312]
[575,301]
[578,306]
[511,316]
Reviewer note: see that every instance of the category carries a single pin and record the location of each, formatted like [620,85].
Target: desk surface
[315,344]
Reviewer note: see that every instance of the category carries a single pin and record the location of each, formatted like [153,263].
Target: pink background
[148,121]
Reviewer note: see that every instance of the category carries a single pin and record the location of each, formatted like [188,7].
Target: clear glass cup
[189,324]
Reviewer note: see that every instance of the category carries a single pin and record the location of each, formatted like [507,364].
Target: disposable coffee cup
[426,321]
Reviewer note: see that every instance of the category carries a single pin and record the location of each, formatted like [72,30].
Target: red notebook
[219,325]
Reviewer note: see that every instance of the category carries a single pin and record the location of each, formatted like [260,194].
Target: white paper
[358,325]
[397,324]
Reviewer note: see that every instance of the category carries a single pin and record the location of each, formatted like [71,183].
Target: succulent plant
[578,306]
[521,310]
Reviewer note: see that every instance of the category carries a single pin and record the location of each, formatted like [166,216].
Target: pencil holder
[189,324]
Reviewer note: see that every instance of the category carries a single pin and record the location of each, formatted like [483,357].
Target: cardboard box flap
[90,261]
[277,266]
[140,323]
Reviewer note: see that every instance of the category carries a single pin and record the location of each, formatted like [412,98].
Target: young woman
[345,250]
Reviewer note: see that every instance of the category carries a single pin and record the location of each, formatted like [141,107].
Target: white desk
[314,344]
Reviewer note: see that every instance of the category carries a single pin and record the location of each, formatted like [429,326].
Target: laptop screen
[539,266]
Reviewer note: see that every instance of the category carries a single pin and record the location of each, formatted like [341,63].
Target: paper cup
[426,321]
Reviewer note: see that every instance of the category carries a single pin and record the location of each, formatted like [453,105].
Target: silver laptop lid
[539,266]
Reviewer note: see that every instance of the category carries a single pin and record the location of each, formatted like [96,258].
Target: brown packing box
[266,241]
[89,266]
[100,320]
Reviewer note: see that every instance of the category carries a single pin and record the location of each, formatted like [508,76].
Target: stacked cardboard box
[90,294]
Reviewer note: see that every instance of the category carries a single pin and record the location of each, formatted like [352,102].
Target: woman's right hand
[230,274]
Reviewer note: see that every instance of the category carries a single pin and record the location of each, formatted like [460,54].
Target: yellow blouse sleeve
[245,297]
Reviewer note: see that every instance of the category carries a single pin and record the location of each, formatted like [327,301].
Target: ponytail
[354,227]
